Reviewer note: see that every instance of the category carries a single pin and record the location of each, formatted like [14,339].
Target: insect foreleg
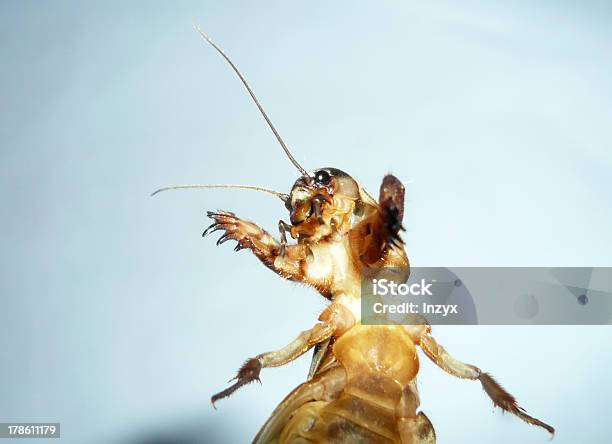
[335,319]
[281,258]
[500,397]
[377,239]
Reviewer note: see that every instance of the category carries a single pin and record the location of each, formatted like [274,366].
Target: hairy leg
[334,320]
[500,397]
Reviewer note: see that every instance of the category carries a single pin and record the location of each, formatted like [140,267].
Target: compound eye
[322,177]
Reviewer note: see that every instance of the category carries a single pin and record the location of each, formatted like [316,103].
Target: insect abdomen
[380,362]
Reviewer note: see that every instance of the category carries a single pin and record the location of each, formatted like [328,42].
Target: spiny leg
[381,243]
[500,397]
[335,319]
[391,201]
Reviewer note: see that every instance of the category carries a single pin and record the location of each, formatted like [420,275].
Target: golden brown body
[377,403]
[362,386]
[362,383]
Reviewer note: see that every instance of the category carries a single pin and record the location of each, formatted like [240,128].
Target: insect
[361,385]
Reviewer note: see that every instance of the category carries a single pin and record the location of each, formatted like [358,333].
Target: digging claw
[211,228]
[224,238]
[229,223]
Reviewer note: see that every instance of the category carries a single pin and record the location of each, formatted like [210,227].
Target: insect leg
[267,249]
[335,319]
[380,232]
[500,397]
[283,228]
[391,201]
[324,387]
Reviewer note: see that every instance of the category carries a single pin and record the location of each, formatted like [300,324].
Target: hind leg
[500,397]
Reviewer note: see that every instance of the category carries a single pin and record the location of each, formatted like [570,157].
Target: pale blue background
[119,321]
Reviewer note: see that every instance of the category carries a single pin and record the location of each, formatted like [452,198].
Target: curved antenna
[281,196]
[261,110]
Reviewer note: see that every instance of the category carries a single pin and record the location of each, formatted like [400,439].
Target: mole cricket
[361,386]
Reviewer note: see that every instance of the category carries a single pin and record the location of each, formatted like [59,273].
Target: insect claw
[396,240]
[219,213]
[239,247]
[208,230]
[399,242]
[223,239]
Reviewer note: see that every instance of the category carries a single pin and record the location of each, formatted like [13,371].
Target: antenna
[252,94]
[281,196]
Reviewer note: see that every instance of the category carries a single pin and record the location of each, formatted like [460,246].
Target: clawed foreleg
[278,256]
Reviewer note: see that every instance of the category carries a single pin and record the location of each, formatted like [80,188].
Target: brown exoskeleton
[362,382]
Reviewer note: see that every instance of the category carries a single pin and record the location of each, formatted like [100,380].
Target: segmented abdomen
[380,363]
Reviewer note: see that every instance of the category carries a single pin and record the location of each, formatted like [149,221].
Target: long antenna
[281,196]
[261,110]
